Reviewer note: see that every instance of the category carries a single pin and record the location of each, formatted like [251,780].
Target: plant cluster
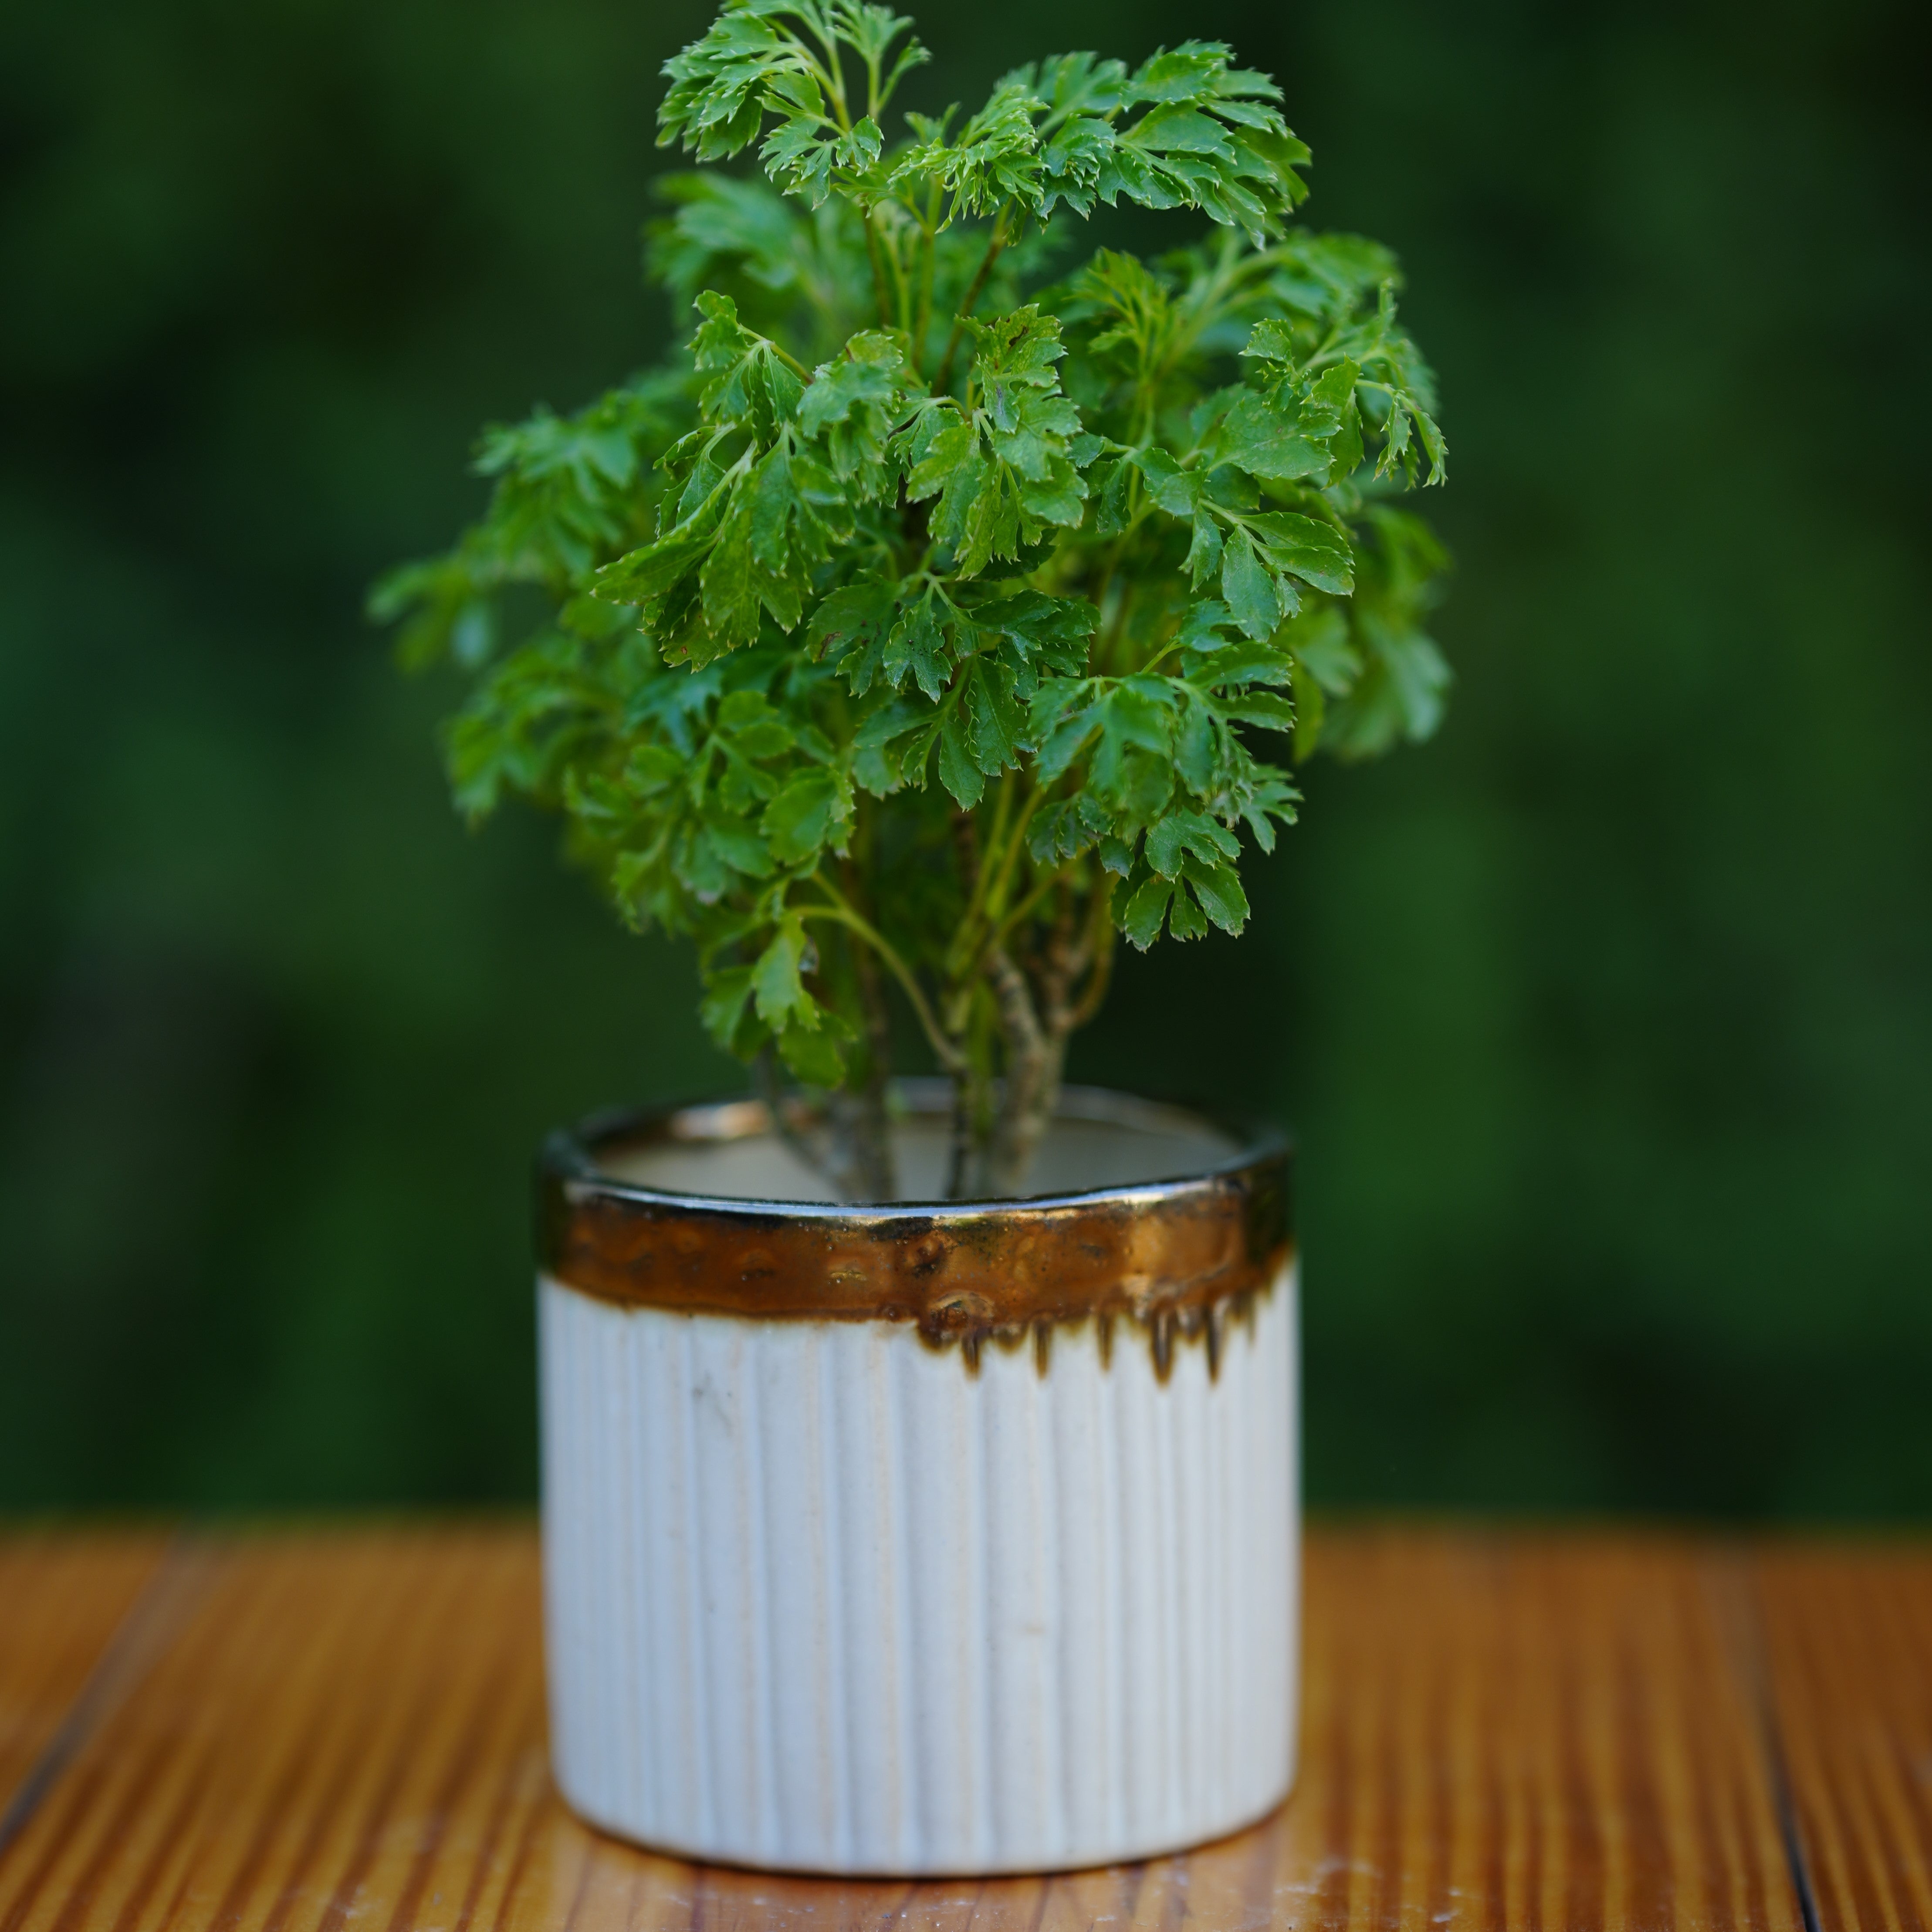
[909,637]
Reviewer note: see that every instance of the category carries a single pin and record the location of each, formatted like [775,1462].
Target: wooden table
[306,1732]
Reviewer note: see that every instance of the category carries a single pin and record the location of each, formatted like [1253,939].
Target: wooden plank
[63,1595]
[1500,1732]
[1848,1655]
[1516,1731]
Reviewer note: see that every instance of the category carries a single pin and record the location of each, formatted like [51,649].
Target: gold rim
[1178,1255]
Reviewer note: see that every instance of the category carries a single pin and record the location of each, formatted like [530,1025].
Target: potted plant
[918,1489]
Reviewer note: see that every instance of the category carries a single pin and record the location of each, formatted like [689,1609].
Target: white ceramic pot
[919,1540]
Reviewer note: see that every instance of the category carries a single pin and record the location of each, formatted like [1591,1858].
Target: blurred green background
[1606,1021]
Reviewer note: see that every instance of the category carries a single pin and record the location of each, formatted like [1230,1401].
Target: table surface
[288,1732]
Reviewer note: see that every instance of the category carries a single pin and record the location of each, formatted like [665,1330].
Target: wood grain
[1500,1732]
[1848,1654]
[62,1597]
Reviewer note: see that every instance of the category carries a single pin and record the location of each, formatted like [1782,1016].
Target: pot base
[691,1855]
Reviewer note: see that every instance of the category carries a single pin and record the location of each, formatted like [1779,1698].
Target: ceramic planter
[918,1539]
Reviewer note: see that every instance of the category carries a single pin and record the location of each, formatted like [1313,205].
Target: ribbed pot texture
[822,1595]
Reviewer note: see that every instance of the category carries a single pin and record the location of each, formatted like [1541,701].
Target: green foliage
[924,623]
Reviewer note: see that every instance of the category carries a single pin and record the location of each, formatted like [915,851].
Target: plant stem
[983,874]
[878,271]
[1016,842]
[1035,1055]
[966,856]
[1108,649]
[922,327]
[991,876]
[1100,940]
[972,1124]
[942,383]
[831,72]
[958,1167]
[872,1126]
[1004,930]
[901,282]
[771,1091]
[948,1055]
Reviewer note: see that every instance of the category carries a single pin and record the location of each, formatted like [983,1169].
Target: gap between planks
[145,1629]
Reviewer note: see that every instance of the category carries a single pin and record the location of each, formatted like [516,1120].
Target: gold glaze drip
[1209,1326]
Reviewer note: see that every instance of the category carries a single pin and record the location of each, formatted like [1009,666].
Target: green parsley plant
[910,636]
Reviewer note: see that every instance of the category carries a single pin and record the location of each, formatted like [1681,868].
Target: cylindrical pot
[909,1539]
